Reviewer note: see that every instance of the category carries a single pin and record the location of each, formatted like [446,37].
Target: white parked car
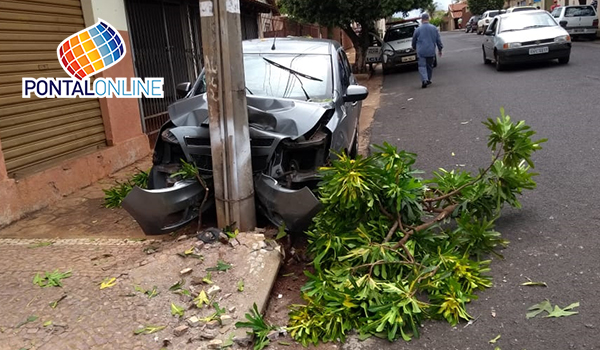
[486,19]
[580,20]
[520,8]
[525,37]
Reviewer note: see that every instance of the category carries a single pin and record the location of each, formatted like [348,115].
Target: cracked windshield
[299,77]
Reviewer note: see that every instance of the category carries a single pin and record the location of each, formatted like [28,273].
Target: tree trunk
[361,46]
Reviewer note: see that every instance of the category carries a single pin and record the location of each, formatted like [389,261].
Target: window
[579,11]
[556,12]
[344,67]
[526,20]
[405,32]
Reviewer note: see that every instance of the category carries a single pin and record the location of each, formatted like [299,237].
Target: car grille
[254,142]
[204,162]
[537,42]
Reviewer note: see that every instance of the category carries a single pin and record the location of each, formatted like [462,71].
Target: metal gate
[37,132]
[166,39]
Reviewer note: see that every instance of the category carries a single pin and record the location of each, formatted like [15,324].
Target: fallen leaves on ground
[51,279]
[545,305]
[108,282]
[148,329]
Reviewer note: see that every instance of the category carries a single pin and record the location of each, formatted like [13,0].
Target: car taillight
[595,23]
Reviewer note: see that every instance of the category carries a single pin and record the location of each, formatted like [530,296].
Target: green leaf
[178,285]
[536,309]
[281,232]
[177,310]
[558,312]
[148,329]
[531,283]
[201,299]
[51,279]
[240,286]
[221,266]
[29,319]
[40,244]
[47,323]
[108,283]
[493,341]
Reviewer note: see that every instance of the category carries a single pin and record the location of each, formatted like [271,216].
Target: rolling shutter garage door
[35,133]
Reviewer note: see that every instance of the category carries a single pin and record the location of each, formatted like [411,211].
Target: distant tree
[342,13]
[477,7]
[431,9]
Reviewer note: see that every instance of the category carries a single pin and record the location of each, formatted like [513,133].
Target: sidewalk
[97,244]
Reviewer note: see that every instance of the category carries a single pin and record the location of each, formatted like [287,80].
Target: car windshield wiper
[251,93]
[295,74]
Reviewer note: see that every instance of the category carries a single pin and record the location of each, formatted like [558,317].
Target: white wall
[112,11]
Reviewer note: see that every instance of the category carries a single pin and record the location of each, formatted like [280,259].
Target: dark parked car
[471,26]
[303,102]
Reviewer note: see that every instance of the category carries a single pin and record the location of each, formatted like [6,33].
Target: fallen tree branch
[445,212]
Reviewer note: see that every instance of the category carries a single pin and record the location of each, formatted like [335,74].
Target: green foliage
[478,7]
[392,250]
[51,279]
[221,266]
[187,171]
[341,13]
[260,328]
[114,196]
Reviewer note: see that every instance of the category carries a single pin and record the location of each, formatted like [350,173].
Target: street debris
[151,293]
[533,284]
[177,310]
[181,330]
[51,279]
[185,271]
[545,305]
[54,304]
[493,312]
[47,323]
[40,244]
[201,299]
[493,341]
[221,266]
[29,319]
[108,283]
[240,286]
[213,290]
[148,329]
[178,285]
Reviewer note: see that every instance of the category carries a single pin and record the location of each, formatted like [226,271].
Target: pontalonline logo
[85,54]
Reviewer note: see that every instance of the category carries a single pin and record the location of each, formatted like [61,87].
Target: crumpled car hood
[289,117]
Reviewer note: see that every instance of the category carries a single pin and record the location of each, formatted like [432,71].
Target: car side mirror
[183,89]
[356,93]
[563,24]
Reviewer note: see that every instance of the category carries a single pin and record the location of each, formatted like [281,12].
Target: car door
[349,110]
[490,38]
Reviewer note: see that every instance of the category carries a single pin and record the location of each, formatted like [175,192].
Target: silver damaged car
[303,104]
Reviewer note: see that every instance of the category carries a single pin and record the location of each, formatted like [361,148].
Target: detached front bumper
[164,210]
[294,208]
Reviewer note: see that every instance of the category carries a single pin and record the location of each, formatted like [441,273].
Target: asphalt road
[555,238]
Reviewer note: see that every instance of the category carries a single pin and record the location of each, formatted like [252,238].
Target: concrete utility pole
[228,114]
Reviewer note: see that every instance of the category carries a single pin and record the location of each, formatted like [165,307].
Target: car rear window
[579,11]
[556,12]
[524,9]
[399,33]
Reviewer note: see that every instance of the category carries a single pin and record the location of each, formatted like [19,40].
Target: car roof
[521,13]
[405,24]
[291,45]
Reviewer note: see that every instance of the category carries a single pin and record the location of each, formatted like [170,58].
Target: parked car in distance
[520,8]
[486,19]
[579,20]
[303,104]
[471,26]
[397,46]
[525,37]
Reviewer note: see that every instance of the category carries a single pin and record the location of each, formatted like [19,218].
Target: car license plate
[577,30]
[538,50]
[409,58]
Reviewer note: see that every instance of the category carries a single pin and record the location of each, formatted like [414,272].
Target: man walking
[424,40]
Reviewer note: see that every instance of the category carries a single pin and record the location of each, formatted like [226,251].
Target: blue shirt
[425,39]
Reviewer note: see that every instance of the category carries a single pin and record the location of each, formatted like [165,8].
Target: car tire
[499,65]
[564,60]
[485,59]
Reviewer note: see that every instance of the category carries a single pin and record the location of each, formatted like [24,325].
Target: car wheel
[485,59]
[499,65]
[564,60]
